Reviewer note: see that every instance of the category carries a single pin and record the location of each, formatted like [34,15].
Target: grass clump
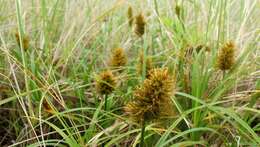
[161,86]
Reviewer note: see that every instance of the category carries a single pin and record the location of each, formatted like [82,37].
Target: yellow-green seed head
[140,25]
[226,57]
[152,100]
[130,16]
[105,83]
[178,11]
[118,58]
[25,41]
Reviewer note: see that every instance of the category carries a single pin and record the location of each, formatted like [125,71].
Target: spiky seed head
[130,16]
[105,83]
[226,57]
[148,64]
[118,58]
[140,25]
[25,41]
[152,100]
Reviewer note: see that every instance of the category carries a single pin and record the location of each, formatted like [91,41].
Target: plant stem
[105,102]
[224,74]
[142,133]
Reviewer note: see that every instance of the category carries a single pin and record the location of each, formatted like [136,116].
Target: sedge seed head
[118,58]
[199,47]
[226,57]
[46,106]
[140,25]
[152,100]
[25,41]
[190,50]
[178,10]
[130,16]
[105,83]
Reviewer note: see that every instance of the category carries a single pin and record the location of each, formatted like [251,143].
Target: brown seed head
[105,83]
[130,16]
[118,58]
[140,25]
[25,41]
[226,57]
[152,100]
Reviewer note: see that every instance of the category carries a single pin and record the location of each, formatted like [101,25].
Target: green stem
[105,102]
[142,133]
[252,102]
[22,34]
[224,74]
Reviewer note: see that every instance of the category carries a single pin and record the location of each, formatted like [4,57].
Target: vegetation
[129,73]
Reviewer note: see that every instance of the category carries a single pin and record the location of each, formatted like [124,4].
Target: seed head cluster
[105,83]
[178,11]
[140,25]
[118,58]
[226,57]
[152,100]
[130,16]
[25,41]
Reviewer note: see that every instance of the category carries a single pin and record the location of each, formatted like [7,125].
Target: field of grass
[130,73]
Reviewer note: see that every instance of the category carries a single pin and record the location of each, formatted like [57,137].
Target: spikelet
[178,11]
[226,57]
[105,83]
[202,46]
[130,16]
[4,91]
[190,50]
[152,100]
[47,106]
[140,25]
[25,41]
[118,58]
[141,62]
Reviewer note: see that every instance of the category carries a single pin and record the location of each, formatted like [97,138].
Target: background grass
[71,42]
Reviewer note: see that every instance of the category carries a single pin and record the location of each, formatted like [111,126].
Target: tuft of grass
[61,85]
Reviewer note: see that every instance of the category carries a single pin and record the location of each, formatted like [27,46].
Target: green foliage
[52,50]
